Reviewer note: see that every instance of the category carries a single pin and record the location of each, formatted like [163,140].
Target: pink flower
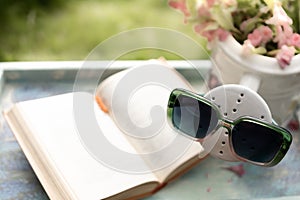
[222,34]
[282,23]
[283,33]
[279,16]
[285,55]
[294,40]
[266,33]
[210,3]
[255,38]
[248,48]
[200,28]
[211,33]
[260,36]
[203,11]
[180,5]
[262,26]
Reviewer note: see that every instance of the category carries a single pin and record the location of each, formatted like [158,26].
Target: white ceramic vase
[277,86]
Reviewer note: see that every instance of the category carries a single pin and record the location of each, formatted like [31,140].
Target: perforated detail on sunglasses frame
[234,101]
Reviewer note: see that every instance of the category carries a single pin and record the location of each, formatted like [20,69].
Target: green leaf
[251,24]
[223,17]
[212,26]
[272,53]
[260,50]
[191,6]
[270,3]
[291,7]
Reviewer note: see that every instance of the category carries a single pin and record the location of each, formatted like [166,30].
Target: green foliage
[69,30]
[292,9]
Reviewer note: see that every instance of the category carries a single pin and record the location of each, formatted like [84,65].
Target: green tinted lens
[257,142]
[193,117]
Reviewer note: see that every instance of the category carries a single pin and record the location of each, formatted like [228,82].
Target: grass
[71,31]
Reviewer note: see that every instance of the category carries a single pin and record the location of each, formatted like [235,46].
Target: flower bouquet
[266,27]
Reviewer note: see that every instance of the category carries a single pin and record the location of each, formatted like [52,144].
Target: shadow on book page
[136,100]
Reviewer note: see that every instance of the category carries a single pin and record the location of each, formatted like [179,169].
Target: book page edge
[45,176]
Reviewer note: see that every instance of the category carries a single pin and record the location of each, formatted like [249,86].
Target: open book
[65,162]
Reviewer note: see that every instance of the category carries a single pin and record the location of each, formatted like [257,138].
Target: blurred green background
[34,30]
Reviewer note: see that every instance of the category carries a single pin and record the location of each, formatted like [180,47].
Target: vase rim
[233,49]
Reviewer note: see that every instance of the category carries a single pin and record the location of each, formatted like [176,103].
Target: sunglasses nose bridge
[226,125]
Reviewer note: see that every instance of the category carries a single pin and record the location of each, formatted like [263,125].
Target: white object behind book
[235,101]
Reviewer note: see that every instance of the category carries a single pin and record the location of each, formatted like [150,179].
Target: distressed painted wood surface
[210,179]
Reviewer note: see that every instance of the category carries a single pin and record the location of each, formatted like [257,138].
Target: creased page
[163,148]
[137,101]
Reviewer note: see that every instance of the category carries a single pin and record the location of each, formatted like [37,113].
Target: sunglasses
[250,139]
